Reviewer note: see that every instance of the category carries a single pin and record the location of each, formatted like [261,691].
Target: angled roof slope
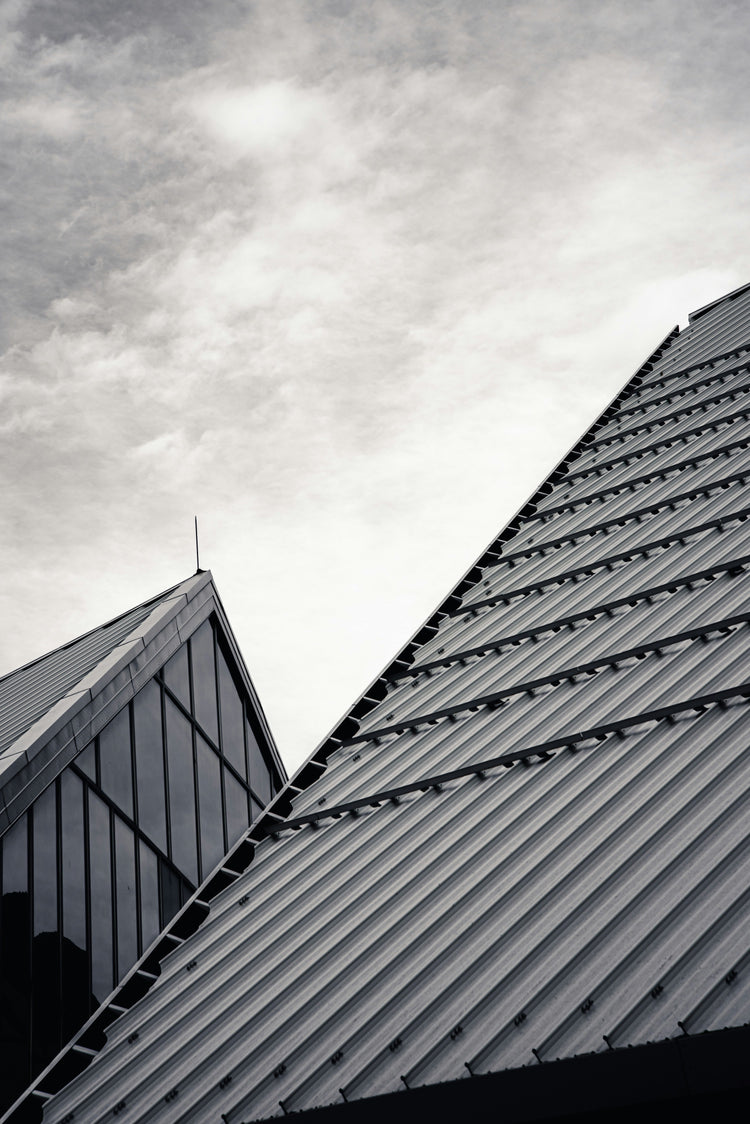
[27,693]
[527,841]
[51,708]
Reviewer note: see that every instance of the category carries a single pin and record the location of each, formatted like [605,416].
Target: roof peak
[101,627]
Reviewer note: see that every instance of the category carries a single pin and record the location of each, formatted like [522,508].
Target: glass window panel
[181,792]
[76,1000]
[209,795]
[45,999]
[45,862]
[204,679]
[73,859]
[101,897]
[15,863]
[127,906]
[149,760]
[149,895]
[177,676]
[232,718]
[86,761]
[260,780]
[237,813]
[15,948]
[45,951]
[169,886]
[115,761]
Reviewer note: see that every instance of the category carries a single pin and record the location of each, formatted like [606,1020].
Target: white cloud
[59,119]
[262,121]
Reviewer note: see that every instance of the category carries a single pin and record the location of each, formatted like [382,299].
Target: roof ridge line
[99,628]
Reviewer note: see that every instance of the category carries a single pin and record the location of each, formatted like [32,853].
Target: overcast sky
[343,277]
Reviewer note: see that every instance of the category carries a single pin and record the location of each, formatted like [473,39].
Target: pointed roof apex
[52,707]
[30,690]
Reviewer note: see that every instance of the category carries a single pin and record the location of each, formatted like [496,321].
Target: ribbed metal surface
[27,693]
[588,891]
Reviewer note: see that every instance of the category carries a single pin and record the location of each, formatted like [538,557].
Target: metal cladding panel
[29,692]
[631,535]
[528,840]
[713,383]
[664,459]
[650,621]
[623,580]
[649,488]
[667,428]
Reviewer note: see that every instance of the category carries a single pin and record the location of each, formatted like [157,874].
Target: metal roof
[52,707]
[526,841]
[27,693]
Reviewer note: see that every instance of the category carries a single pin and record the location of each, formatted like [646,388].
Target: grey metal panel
[600,587]
[725,327]
[626,627]
[619,503]
[25,694]
[693,446]
[722,380]
[667,428]
[631,535]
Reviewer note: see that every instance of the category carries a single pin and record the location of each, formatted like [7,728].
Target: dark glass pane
[169,885]
[86,761]
[209,793]
[260,780]
[177,676]
[127,906]
[76,999]
[45,863]
[232,718]
[45,951]
[149,761]
[73,859]
[15,964]
[101,898]
[204,679]
[237,814]
[149,895]
[15,861]
[181,792]
[114,761]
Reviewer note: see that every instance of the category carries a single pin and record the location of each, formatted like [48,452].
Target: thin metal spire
[197,552]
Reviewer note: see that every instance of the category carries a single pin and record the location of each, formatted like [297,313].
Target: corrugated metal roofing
[27,693]
[527,840]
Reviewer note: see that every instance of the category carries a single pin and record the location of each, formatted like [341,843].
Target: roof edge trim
[699,312]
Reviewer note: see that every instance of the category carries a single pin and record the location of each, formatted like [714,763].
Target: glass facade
[110,851]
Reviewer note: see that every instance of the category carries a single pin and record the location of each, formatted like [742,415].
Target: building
[130,761]
[515,875]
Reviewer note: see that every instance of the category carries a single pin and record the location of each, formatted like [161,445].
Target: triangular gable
[52,708]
